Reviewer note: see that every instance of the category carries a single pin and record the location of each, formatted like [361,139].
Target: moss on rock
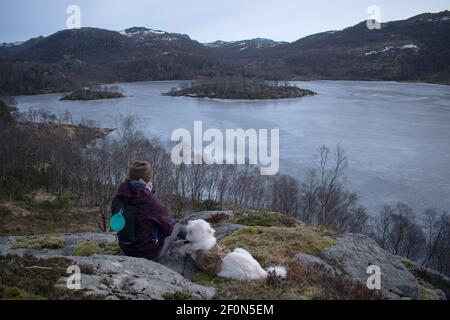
[408,264]
[427,290]
[110,248]
[86,249]
[30,278]
[14,293]
[40,242]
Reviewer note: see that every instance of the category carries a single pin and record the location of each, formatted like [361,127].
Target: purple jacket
[151,212]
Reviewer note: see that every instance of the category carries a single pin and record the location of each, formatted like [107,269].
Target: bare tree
[399,233]
[324,199]
[437,230]
[285,195]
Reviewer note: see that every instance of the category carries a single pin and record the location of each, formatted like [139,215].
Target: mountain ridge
[414,49]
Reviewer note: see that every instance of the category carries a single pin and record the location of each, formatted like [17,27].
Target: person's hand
[150,186]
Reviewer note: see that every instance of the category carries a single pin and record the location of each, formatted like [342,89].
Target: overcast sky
[204,20]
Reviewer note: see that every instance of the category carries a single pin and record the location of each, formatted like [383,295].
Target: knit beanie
[141,170]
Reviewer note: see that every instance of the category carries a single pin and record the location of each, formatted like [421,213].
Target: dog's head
[199,231]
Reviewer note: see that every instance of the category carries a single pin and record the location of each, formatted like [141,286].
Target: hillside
[415,49]
[412,49]
[53,197]
[321,265]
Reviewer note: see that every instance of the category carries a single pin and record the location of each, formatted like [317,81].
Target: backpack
[128,235]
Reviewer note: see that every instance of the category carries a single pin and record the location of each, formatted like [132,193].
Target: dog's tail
[279,271]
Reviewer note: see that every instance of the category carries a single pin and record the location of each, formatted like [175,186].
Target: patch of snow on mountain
[370,53]
[140,31]
[258,43]
[216,44]
[11,44]
[156,31]
[445,18]
[388,48]
[385,49]
[239,43]
[410,46]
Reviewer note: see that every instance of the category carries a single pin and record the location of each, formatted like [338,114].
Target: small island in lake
[240,88]
[94,93]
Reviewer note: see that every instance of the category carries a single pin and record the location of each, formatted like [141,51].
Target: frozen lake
[396,135]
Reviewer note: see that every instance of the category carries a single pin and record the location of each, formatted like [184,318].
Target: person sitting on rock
[149,230]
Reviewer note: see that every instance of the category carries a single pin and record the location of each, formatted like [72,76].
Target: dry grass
[278,245]
[302,283]
[41,242]
[218,218]
[274,245]
[44,217]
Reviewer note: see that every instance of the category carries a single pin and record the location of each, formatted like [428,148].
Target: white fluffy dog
[237,265]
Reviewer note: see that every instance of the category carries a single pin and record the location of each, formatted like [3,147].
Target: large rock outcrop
[211,215]
[315,262]
[118,277]
[353,253]
[430,277]
[433,277]
[114,276]
[177,260]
